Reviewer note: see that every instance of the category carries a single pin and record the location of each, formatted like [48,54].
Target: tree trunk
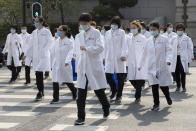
[61,12]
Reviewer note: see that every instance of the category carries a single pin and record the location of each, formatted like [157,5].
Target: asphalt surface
[19,112]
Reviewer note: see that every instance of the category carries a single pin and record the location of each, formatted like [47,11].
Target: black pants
[174,76]
[180,74]
[56,89]
[155,92]
[27,74]
[138,84]
[121,79]
[81,100]
[46,74]
[15,70]
[40,82]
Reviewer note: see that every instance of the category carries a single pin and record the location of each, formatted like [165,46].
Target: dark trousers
[27,74]
[174,76]
[56,89]
[15,70]
[40,82]
[180,74]
[138,84]
[81,100]
[46,74]
[121,79]
[155,92]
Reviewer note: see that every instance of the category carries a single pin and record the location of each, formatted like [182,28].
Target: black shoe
[113,95]
[184,90]
[169,101]
[39,97]
[178,89]
[106,113]
[79,122]
[63,84]
[54,101]
[137,101]
[155,108]
[26,83]
[11,81]
[118,100]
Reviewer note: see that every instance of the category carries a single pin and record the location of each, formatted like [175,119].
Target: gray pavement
[18,111]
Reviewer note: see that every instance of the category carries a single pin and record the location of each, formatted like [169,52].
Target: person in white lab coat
[26,37]
[144,30]
[169,32]
[115,57]
[90,68]
[171,36]
[159,60]
[13,47]
[62,54]
[39,50]
[182,53]
[137,59]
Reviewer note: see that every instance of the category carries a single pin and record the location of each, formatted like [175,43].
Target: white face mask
[114,27]
[24,31]
[170,29]
[161,32]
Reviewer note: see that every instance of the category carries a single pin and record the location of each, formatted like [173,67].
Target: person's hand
[139,69]
[123,58]
[82,48]
[66,64]
[168,63]
[193,59]
[23,58]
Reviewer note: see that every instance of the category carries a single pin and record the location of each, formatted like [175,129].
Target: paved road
[18,112]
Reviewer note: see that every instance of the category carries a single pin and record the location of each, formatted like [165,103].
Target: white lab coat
[147,34]
[115,48]
[39,49]
[52,51]
[137,58]
[62,53]
[14,49]
[26,39]
[186,52]
[90,62]
[169,35]
[159,53]
[76,52]
[191,52]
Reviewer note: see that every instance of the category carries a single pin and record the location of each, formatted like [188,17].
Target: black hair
[116,20]
[23,26]
[155,24]
[127,29]
[180,26]
[41,19]
[85,17]
[143,25]
[107,27]
[14,27]
[168,25]
[66,29]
